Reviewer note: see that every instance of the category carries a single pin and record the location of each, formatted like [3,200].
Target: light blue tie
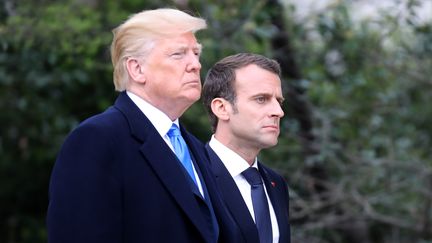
[181,150]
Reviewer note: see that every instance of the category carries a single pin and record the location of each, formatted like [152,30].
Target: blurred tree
[355,142]
[53,66]
[369,87]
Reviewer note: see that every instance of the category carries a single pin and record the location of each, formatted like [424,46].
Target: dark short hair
[219,81]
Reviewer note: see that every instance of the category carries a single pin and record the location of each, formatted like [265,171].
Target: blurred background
[355,145]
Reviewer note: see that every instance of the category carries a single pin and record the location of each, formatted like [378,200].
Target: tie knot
[173,131]
[252,176]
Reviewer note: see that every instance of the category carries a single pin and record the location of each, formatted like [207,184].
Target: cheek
[167,68]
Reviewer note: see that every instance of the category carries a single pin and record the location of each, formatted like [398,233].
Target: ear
[221,108]
[135,70]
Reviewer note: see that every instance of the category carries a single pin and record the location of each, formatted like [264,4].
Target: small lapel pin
[273,184]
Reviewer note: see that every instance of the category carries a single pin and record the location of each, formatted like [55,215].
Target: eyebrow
[280,99]
[197,47]
[268,95]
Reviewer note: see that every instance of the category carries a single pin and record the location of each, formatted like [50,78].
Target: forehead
[253,79]
[187,40]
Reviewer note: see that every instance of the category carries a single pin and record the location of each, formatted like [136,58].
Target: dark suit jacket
[116,180]
[276,188]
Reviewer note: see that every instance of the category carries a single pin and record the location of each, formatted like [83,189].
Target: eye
[261,99]
[178,54]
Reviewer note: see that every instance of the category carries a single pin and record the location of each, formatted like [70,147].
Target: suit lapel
[163,161]
[166,166]
[232,198]
[275,193]
[195,156]
[201,165]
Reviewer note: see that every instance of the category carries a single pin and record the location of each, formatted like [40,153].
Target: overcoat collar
[163,161]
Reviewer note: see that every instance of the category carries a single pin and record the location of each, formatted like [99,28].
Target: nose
[193,63]
[277,109]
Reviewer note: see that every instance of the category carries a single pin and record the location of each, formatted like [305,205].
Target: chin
[273,143]
[190,100]
[269,144]
[194,96]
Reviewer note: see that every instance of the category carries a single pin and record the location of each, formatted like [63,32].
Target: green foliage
[48,72]
[363,174]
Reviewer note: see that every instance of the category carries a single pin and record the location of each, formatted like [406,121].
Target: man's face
[172,73]
[254,118]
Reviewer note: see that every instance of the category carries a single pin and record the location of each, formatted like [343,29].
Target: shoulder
[109,118]
[99,127]
[269,171]
[274,176]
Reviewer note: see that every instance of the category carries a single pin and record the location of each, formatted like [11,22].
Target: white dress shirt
[235,166]
[162,123]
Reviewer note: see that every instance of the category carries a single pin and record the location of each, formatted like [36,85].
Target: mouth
[193,82]
[272,128]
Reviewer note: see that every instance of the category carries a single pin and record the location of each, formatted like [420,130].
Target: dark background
[355,145]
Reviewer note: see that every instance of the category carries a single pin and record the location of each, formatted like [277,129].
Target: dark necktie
[260,204]
[181,150]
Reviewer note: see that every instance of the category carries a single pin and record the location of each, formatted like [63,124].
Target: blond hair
[137,35]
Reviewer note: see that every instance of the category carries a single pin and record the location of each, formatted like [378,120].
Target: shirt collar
[234,163]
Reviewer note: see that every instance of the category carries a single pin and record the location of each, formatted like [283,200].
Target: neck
[172,111]
[242,149]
